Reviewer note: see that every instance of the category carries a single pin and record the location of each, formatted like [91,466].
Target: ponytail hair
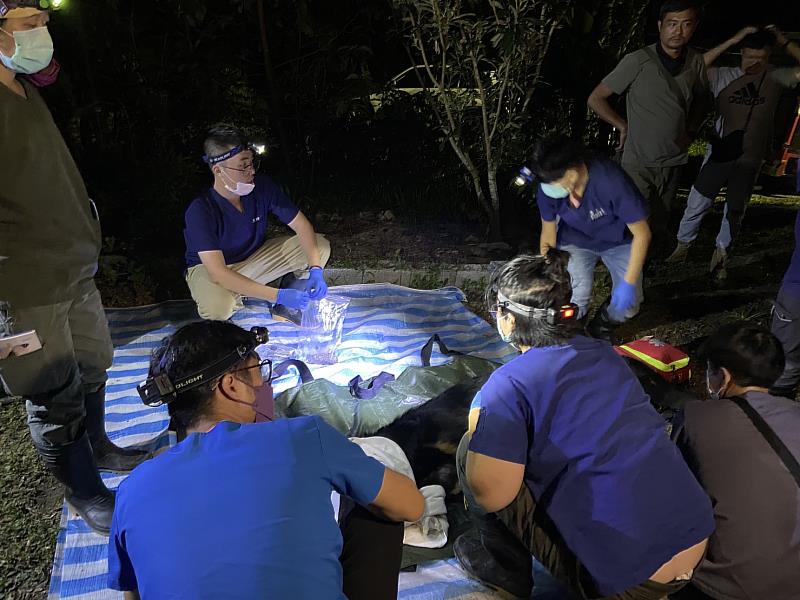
[537,282]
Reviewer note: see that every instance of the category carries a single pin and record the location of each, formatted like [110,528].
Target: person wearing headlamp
[566,459]
[241,508]
[50,241]
[591,208]
[228,255]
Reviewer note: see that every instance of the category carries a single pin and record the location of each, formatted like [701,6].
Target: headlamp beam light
[259,148]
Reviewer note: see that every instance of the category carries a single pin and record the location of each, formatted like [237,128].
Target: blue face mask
[554,190]
[716,380]
[506,337]
[34,51]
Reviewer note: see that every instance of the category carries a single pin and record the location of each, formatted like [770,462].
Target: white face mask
[241,188]
[34,51]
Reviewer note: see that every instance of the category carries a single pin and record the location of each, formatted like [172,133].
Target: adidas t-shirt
[736,92]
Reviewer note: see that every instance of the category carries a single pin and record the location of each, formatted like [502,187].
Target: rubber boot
[679,255]
[719,263]
[284,313]
[602,325]
[74,466]
[108,455]
[490,553]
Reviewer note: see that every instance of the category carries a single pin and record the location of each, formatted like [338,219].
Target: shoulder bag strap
[772,438]
[752,106]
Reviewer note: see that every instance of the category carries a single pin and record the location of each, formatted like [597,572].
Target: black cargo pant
[371,553]
[539,535]
[786,327]
[76,351]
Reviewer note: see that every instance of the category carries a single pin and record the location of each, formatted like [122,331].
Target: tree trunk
[275,101]
[495,231]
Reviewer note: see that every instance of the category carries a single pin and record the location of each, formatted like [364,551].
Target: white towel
[431,530]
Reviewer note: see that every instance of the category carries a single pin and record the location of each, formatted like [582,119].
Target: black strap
[302,369]
[753,105]
[367,390]
[427,350]
[673,85]
[772,438]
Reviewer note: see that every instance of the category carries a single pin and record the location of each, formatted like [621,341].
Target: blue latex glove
[293,298]
[623,298]
[316,287]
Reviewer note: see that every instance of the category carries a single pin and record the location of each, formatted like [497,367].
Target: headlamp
[524,178]
[553,316]
[159,390]
[258,149]
[8,5]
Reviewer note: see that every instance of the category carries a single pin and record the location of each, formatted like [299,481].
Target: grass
[30,503]
[30,500]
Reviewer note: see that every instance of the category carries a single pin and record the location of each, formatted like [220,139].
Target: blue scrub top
[213,223]
[619,490]
[610,203]
[243,511]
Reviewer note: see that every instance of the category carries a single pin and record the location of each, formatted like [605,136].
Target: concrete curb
[424,278]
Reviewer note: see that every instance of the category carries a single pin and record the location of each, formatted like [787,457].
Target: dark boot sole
[91,524]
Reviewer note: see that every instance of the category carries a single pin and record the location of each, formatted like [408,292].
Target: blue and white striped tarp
[385,328]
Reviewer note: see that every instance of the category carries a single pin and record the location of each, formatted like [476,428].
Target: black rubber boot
[108,455]
[74,465]
[490,553]
[602,325]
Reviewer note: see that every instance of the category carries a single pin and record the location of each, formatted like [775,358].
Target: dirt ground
[682,304]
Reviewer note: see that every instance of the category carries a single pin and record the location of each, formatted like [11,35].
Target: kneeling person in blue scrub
[591,209]
[241,508]
[228,255]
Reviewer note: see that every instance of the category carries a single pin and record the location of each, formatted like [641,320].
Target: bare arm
[792,49]
[398,499]
[307,237]
[548,237]
[494,482]
[130,595]
[639,245]
[222,275]
[598,102]
[712,55]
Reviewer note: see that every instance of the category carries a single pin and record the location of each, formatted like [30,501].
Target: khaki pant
[274,259]
[76,351]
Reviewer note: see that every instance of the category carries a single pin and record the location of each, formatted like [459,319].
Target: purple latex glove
[623,298]
[316,286]
[293,298]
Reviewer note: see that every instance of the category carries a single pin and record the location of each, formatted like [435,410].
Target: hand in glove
[316,287]
[293,298]
[623,298]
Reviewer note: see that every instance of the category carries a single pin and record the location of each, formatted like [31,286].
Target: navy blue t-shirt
[212,223]
[791,280]
[610,203]
[619,490]
[243,511]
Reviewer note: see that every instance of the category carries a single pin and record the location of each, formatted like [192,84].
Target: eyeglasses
[253,166]
[265,366]
[496,308]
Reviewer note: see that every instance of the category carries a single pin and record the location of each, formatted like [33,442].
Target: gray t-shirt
[657,116]
[735,92]
[755,551]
